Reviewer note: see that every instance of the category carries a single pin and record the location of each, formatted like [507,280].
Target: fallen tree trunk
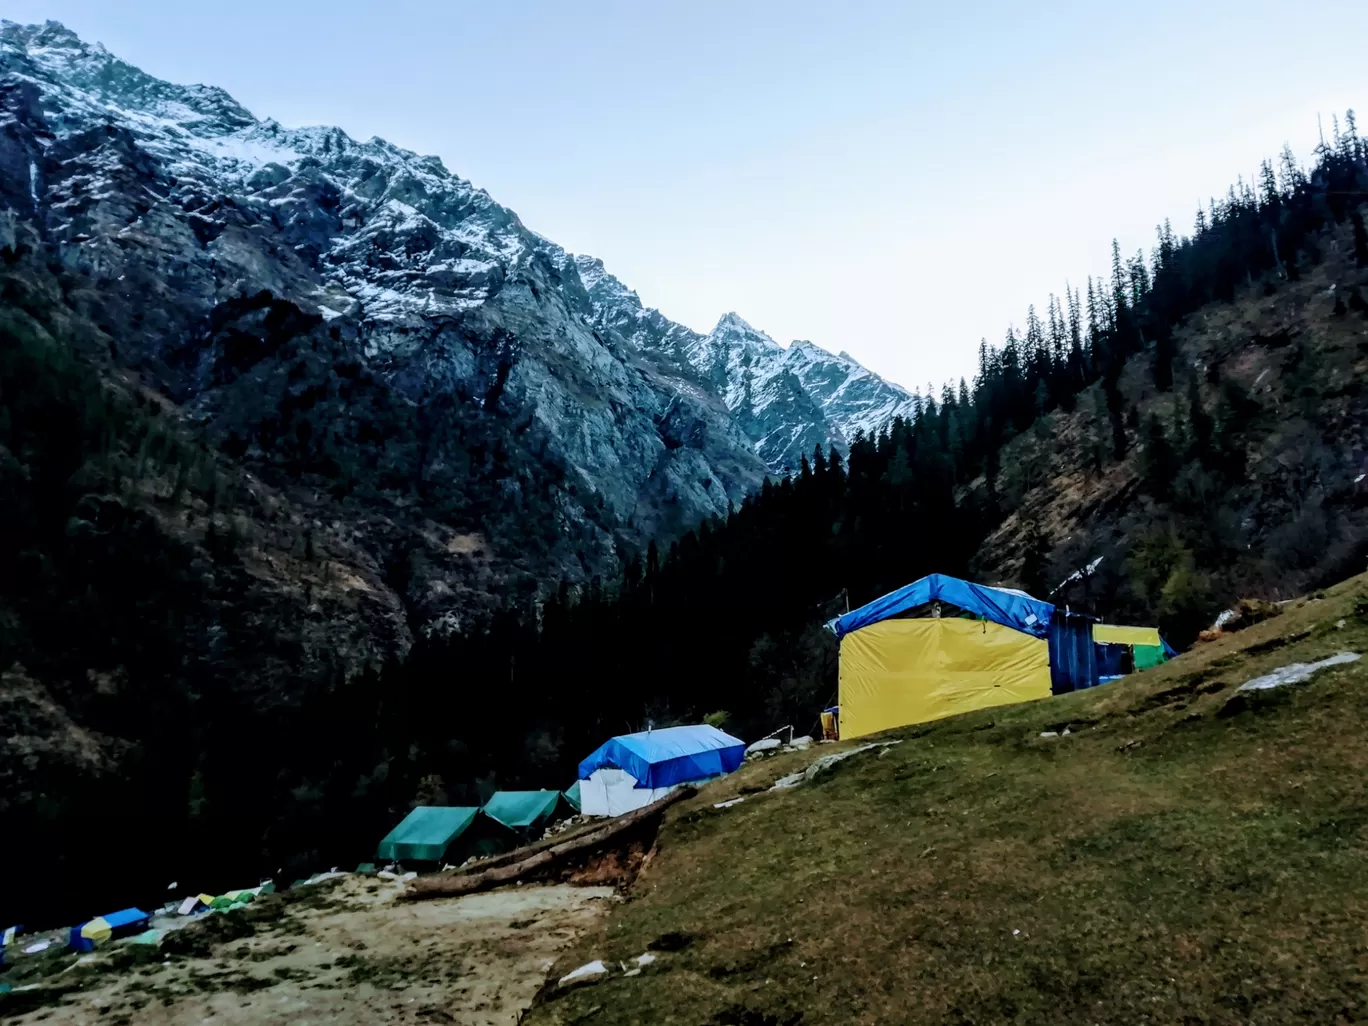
[450,885]
[527,850]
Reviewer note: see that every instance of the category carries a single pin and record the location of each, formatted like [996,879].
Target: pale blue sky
[893,179]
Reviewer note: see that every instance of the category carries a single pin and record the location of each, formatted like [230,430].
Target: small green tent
[426,833]
[572,796]
[523,811]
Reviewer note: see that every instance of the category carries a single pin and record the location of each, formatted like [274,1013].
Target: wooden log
[527,850]
[449,885]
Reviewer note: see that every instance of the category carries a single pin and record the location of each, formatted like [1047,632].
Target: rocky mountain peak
[59,52]
[732,326]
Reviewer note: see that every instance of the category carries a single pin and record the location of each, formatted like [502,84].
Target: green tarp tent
[426,833]
[522,811]
[572,795]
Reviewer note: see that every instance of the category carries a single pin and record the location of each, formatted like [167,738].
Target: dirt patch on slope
[348,956]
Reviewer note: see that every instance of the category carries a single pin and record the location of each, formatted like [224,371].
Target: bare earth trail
[352,955]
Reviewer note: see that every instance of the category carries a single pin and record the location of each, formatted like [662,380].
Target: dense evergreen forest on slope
[729,617]
[155,592]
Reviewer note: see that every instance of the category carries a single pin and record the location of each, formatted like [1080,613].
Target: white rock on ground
[825,763]
[767,744]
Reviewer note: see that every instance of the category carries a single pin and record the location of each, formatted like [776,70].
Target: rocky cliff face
[178,201]
[786,400]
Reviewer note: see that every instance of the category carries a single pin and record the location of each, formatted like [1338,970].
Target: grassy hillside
[1184,854]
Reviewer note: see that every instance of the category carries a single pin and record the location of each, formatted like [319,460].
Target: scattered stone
[1049,733]
[645,959]
[728,804]
[825,763]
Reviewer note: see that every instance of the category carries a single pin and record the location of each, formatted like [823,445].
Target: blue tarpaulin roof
[672,755]
[124,917]
[1013,609]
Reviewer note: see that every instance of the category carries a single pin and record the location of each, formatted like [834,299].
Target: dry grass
[1179,857]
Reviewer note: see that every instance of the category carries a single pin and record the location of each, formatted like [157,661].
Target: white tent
[614,792]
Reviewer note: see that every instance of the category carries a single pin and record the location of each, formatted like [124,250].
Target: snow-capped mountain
[178,202]
[787,400]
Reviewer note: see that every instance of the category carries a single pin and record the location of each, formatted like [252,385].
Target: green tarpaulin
[425,833]
[1148,655]
[522,810]
[572,795]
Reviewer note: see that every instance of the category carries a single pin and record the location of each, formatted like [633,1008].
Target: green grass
[1179,857]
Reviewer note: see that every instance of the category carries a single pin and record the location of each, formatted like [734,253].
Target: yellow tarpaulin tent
[97,930]
[1110,634]
[898,672]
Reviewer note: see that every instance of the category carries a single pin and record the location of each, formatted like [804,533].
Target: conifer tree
[1160,461]
[1360,238]
[1120,285]
[1200,421]
[1163,360]
[1035,560]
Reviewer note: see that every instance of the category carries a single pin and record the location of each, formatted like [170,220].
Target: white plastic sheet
[590,972]
[1296,673]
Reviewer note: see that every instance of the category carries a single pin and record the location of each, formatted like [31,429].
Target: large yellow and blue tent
[941,646]
[937,647]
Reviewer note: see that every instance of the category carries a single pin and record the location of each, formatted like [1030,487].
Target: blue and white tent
[632,770]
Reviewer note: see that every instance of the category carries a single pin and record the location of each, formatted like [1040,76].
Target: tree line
[728,617]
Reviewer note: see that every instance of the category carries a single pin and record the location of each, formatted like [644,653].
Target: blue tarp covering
[1073,662]
[1111,660]
[673,755]
[125,917]
[1009,608]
